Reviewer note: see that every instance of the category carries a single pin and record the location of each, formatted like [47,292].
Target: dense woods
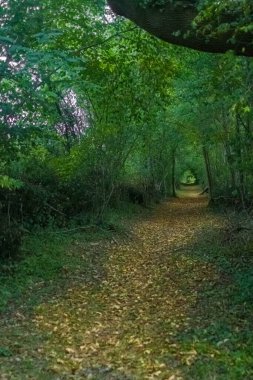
[94,112]
[126,189]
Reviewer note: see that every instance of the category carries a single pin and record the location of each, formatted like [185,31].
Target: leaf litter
[128,323]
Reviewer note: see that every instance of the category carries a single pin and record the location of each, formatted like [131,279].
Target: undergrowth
[222,331]
[44,255]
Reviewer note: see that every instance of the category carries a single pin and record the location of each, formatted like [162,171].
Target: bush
[10,238]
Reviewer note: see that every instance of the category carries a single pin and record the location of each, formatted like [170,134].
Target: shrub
[10,238]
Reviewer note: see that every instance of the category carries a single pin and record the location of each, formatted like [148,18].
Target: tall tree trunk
[241,184]
[208,172]
[227,146]
[173,173]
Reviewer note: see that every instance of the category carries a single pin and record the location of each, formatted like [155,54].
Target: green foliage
[10,183]
[188,178]
[5,352]
[231,17]
[97,120]
[10,238]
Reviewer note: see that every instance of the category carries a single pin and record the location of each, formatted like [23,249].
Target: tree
[212,26]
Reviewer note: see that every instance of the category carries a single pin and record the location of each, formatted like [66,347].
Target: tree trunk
[174,23]
[227,147]
[241,185]
[208,172]
[173,174]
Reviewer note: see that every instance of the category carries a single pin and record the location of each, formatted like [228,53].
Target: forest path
[190,191]
[136,318]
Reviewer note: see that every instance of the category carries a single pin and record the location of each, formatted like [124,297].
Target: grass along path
[161,305]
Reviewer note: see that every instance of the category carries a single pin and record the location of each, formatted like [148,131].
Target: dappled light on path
[190,191]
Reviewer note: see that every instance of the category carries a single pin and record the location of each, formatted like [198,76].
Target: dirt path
[190,191]
[136,320]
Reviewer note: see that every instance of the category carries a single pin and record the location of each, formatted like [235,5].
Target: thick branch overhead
[174,23]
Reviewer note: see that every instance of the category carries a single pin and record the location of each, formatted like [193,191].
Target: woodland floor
[157,304]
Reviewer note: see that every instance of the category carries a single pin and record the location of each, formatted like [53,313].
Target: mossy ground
[171,299]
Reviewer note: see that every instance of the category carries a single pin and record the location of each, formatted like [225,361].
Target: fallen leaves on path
[126,325]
